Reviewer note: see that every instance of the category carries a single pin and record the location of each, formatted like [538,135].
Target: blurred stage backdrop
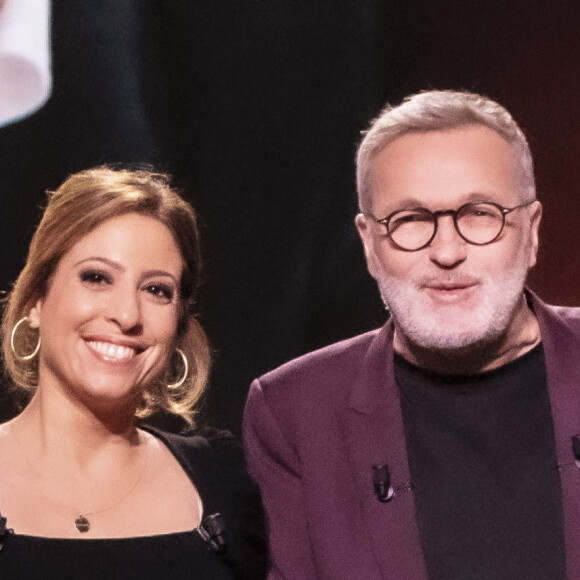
[255,108]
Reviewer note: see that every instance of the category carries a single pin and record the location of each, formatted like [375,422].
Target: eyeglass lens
[477,223]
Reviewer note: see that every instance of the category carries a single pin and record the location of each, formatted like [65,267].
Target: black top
[214,462]
[484,470]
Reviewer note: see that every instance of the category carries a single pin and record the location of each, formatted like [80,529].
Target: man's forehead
[435,138]
[472,163]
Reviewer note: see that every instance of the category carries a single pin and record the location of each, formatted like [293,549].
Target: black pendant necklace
[82,524]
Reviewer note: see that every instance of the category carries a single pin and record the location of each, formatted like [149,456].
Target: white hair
[440,111]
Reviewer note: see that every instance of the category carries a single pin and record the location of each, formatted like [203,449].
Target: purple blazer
[314,427]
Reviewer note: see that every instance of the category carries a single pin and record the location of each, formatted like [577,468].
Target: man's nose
[448,249]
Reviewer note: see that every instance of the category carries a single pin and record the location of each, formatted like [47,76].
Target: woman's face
[108,321]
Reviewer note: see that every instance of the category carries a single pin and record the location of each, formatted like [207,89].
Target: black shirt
[483,466]
[215,464]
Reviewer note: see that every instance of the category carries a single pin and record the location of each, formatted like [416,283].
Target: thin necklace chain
[82,524]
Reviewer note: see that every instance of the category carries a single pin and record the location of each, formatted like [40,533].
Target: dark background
[255,108]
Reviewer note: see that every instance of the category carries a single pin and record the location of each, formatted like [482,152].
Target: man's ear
[366,237]
[34,315]
[535,220]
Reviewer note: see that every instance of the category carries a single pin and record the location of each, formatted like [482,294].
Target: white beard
[450,326]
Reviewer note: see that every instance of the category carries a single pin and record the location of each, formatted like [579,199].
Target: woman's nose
[125,310]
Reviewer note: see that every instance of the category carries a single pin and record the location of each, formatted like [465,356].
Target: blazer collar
[375,372]
[373,433]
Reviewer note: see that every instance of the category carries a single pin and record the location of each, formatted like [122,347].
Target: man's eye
[479,212]
[409,218]
[414,217]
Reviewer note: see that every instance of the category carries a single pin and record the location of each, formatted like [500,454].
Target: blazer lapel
[372,428]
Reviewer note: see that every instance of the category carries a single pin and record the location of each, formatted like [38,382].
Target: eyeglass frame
[452,212]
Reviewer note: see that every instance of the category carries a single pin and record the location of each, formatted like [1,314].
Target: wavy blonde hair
[83,202]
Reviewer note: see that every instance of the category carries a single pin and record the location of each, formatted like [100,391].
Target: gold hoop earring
[186,371]
[13,333]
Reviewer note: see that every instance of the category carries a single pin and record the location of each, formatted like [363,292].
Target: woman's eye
[160,291]
[95,278]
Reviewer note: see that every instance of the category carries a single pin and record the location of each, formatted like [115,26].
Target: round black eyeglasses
[477,223]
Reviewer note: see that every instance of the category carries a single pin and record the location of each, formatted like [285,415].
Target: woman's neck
[52,425]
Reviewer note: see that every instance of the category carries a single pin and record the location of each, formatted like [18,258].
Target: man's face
[451,294]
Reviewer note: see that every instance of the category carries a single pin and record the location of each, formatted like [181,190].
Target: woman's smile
[112,352]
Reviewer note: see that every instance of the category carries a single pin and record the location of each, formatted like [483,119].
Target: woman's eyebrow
[119,267]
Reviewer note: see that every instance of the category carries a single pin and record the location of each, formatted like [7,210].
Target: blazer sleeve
[275,465]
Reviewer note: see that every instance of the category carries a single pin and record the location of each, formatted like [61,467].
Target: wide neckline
[192,476]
